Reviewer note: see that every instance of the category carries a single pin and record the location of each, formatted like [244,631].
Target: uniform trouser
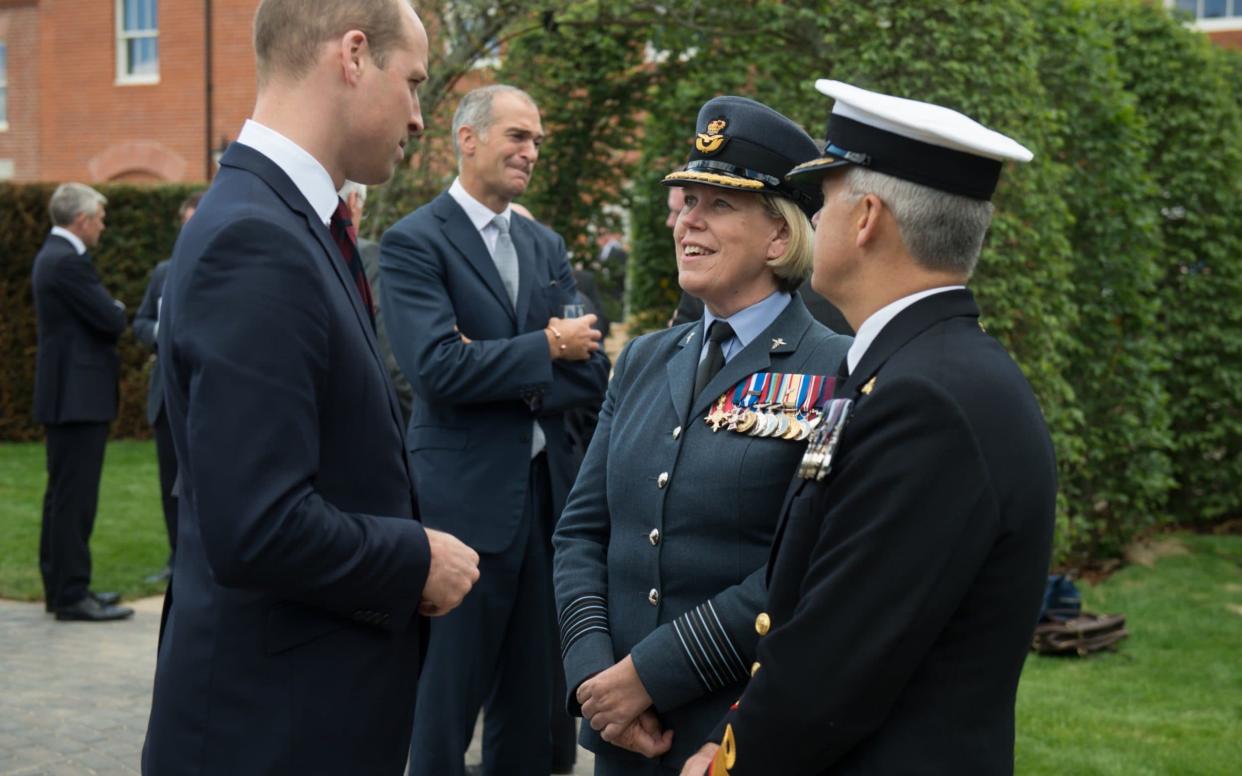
[166,454]
[494,651]
[75,454]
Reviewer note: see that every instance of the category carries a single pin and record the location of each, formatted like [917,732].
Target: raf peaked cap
[916,141]
[745,145]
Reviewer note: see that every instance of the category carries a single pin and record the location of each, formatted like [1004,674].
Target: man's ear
[869,212]
[467,140]
[354,55]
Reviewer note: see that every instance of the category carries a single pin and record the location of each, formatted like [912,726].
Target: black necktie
[714,360]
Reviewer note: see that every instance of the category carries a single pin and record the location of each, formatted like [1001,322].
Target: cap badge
[712,140]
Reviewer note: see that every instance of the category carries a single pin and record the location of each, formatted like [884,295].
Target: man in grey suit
[146,326]
[473,297]
[75,398]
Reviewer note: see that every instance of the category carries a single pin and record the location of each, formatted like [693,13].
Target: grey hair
[942,231]
[475,110]
[71,200]
[351,187]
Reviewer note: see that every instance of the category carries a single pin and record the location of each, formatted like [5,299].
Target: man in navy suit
[474,296]
[75,398]
[294,639]
[146,327]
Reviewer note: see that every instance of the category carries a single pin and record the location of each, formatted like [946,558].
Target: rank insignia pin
[777,342]
[868,387]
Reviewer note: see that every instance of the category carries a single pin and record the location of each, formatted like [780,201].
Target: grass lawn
[1170,700]
[129,541]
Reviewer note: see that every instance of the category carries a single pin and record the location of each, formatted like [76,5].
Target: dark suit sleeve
[147,316]
[575,383]
[251,338]
[428,347]
[580,563]
[884,576]
[78,283]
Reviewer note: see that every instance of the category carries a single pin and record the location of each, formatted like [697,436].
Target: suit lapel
[461,233]
[524,244]
[247,158]
[682,367]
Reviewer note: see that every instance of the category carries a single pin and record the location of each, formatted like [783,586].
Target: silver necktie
[505,256]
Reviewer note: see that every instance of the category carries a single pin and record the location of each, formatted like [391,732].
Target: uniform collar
[880,318]
[309,176]
[748,323]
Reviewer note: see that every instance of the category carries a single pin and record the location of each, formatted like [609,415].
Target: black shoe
[163,575]
[105,599]
[90,610]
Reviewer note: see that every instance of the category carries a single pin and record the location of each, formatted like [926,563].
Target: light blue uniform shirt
[747,323]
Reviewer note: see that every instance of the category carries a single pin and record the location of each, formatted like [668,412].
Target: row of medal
[773,405]
[817,460]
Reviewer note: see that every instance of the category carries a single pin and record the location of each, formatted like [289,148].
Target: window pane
[143,56]
[1213,9]
[1189,6]
[153,13]
[4,105]
[130,16]
[4,63]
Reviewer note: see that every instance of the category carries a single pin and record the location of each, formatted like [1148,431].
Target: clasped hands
[616,704]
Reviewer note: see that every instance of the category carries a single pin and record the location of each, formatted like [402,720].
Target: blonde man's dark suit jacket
[293,642]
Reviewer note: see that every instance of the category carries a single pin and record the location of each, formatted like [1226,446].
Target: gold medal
[747,422]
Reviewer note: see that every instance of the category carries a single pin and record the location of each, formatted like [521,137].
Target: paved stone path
[74,697]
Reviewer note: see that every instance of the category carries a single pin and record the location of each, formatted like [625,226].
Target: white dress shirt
[308,175]
[73,239]
[874,324]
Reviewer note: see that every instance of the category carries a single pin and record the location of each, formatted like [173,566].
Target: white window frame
[4,85]
[123,36]
[1232,20]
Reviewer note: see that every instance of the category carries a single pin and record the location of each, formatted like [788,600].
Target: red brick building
[150,90]
[121,90]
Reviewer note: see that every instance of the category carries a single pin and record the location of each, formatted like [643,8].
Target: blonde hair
[794,266]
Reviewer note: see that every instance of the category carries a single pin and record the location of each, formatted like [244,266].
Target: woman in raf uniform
[661,548]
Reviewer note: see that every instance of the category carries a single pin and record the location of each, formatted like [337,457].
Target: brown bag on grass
[1081,634]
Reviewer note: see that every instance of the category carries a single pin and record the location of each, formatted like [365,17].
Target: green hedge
[1113,271]
[141,229]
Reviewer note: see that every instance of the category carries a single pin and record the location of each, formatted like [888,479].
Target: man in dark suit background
[474,297]
[75,398]
[146,327]
[294,639]
[908,568]
[354,195]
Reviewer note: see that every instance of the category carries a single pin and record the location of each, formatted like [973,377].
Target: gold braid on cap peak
[711,177]
[814,162]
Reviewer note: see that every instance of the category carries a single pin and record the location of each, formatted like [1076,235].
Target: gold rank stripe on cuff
[707,645]
[582,616]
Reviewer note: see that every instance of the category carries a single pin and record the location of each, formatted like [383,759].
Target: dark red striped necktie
[346,236]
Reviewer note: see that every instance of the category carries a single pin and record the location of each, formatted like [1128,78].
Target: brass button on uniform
[654,536]
[662,480]
[763,624]
[676,432]
[754,669]
[653,597]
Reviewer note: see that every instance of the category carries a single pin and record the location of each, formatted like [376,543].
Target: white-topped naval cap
[934,124]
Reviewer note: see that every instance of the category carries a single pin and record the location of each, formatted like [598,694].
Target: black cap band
[945,169]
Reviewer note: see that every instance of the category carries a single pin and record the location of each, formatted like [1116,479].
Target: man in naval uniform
[906,574]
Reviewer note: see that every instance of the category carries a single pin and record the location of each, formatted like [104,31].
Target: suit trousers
[166,454]
[495,651]
[75,454]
